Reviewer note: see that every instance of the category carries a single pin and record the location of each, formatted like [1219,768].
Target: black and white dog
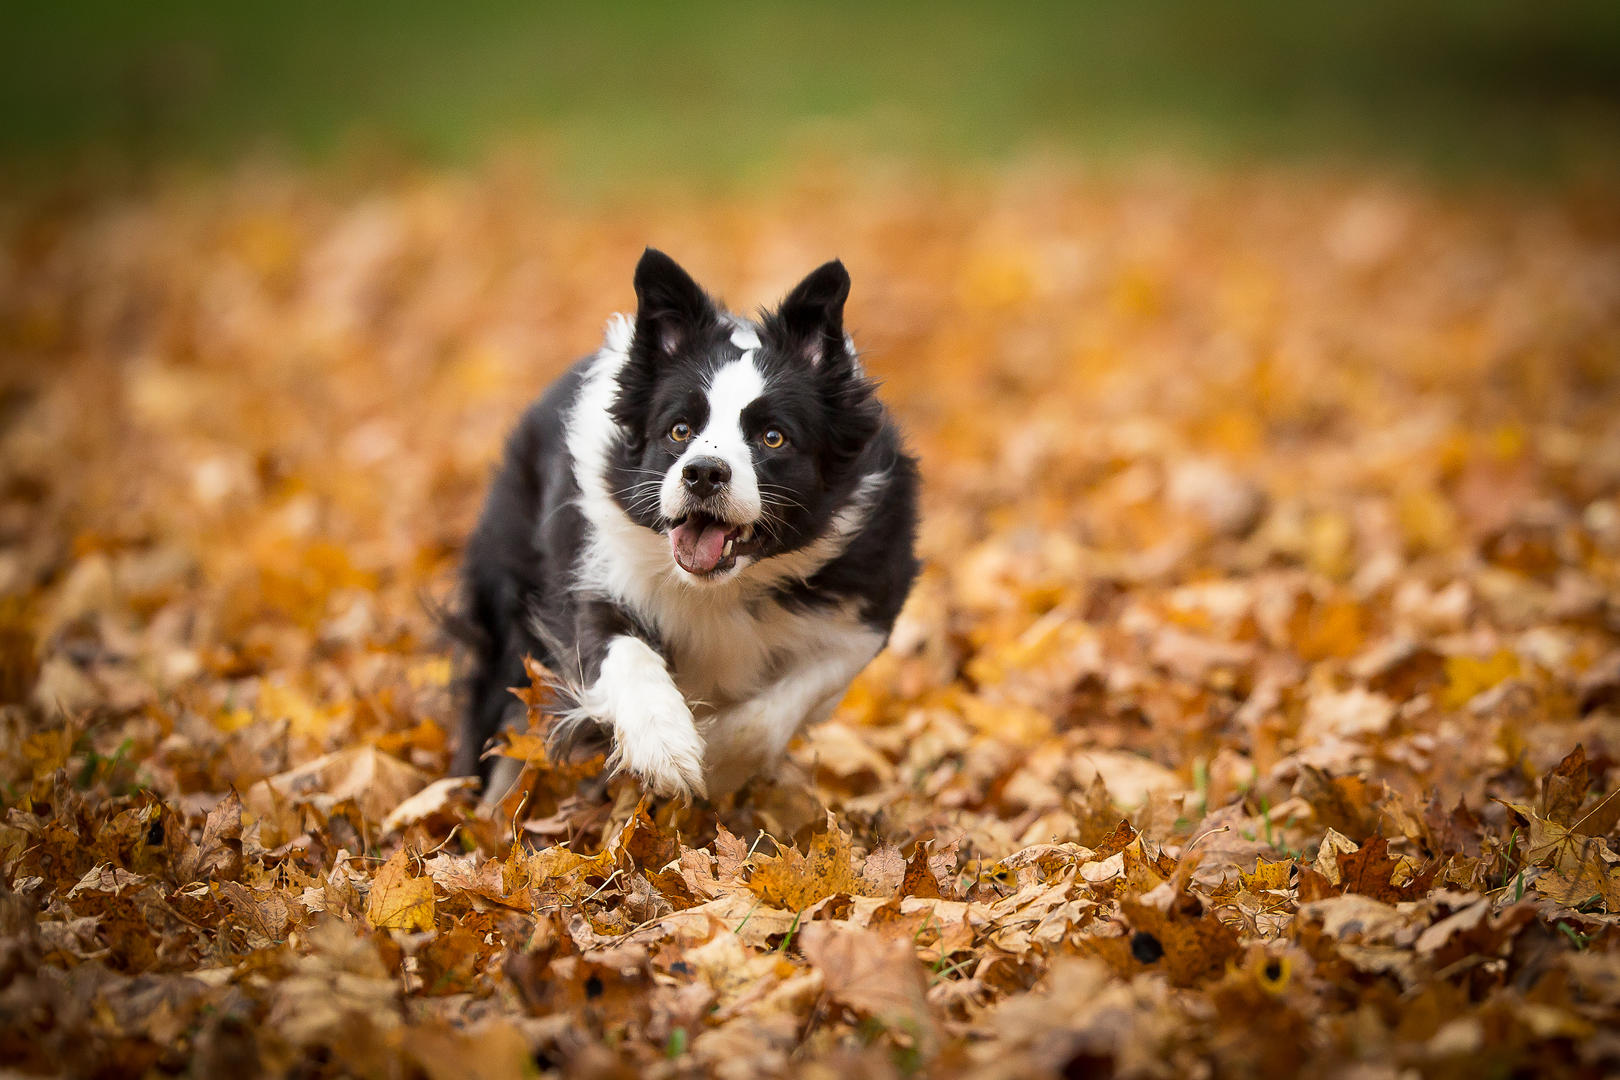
[705,529]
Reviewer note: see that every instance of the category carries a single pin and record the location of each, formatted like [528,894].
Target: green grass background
[1462,86]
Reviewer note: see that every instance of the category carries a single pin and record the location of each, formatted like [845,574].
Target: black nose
[705,475]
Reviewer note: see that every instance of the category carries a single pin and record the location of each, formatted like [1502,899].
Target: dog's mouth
[706,546]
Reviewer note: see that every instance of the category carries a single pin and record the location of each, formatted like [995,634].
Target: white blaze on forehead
[745,338]
[732,388]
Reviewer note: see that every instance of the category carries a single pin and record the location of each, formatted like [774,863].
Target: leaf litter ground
[1258,710]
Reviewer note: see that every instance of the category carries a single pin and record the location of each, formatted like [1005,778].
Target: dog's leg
[631,692]
[751,736]
[653,734]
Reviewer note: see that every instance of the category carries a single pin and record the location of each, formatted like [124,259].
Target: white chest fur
[723,655]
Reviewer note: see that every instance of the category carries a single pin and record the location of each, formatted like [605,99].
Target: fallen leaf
[400,900]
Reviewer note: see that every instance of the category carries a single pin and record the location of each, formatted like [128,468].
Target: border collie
[705,530]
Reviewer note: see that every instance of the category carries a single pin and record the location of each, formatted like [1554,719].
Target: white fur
[732,388]
[753,671]
[749,737]
[653,735]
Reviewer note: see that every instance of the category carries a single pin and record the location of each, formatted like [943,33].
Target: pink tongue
[698,551]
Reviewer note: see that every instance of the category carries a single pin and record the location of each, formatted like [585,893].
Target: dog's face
[739,440]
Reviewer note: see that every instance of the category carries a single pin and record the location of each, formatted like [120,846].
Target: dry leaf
[399,899]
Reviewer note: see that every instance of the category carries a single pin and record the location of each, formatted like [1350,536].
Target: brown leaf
[872,974]
[524,746]
[1563,790]
[919,878]
[495,1050]
[263,914]
[451,962]
[1558,847]
[1369,871]
[376,782]
[431,800]
[1189,948]
[1601,819]
[1346,804]
[219,852]
[1094,813]
[729,854]
[541,692]
[1269,876]
[1262,510]
[884,870]
[1116,840]
[650,847]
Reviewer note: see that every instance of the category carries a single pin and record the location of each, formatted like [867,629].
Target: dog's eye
[773,438]
[681,431]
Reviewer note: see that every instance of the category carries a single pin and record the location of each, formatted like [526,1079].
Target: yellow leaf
[398,900]
[524,746]
[794,882]
[1467,677]
[1017,724]
[429,673]
[1269,875]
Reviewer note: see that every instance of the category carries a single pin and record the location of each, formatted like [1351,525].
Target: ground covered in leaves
[1258,710]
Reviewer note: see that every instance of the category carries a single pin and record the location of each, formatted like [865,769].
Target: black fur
[523,593]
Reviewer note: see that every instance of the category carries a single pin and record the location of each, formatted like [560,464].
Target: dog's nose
[705,475]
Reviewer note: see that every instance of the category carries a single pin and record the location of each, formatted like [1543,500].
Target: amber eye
[773,438]
[680,432]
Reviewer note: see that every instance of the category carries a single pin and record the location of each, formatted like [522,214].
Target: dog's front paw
[657,743]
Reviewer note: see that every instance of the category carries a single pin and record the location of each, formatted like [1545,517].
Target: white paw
[657,743]
[653,734]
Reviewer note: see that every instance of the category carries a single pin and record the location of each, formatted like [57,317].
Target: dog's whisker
[643,485]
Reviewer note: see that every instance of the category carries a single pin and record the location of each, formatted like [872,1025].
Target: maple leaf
[650,847]
[376,782]
[1269,876]
[1467,677]
[1189,948]
[452,961]
[1369,871]
[926,870]
[794,881]
[526,746]
[1560,847]
[400,900]
[1345,804]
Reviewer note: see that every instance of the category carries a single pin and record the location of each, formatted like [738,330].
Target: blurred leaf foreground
[1258,712]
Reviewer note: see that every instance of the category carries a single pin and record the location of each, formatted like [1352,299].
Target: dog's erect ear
[810,320]
[670,307]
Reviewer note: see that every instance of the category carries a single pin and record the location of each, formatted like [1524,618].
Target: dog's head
[740,438]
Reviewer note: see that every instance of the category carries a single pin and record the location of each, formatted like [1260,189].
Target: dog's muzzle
[706,546]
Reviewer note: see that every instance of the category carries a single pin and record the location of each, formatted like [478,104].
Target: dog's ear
[810,320]
[670,307]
